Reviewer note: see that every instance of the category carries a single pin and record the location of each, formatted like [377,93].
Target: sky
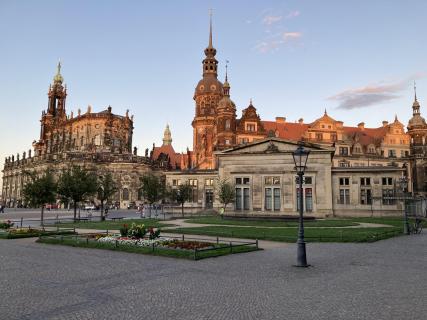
[356,59]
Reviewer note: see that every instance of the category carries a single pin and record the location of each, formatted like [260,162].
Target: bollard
[116,242]
[87,241]
[182,237]
[21,221]
[231,247]
[256,243]
[217,240]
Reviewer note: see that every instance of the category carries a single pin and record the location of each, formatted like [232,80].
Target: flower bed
[177,248]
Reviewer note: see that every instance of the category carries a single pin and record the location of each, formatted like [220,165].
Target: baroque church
[350,171]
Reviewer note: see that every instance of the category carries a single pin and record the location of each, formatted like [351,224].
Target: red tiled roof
[286,130]
[175,158]
[366,136]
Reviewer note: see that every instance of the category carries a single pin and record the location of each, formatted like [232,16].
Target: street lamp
[403,184]
[300,159]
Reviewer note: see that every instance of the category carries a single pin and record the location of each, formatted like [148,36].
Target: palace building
[350,171]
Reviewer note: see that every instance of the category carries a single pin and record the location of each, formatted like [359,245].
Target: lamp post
[300,159]
[403,184]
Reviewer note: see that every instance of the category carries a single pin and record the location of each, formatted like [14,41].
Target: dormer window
[251,127]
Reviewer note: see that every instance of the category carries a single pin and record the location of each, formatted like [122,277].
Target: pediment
[273,145]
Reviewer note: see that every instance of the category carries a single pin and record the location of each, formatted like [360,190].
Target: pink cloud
[291,35]
[293,14]
[269,20]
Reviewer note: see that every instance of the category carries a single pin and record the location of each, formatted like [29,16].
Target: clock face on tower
[202,87]
[213,87]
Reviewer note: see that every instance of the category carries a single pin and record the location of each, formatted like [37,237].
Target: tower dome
[417,121]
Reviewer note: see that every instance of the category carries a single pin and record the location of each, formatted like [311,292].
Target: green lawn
[261,223]
[290,234]
[113,225]
[33,234]
[157,251]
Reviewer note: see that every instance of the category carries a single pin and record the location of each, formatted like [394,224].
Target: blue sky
[357,59]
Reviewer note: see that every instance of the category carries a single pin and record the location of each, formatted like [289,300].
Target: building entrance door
[209,199]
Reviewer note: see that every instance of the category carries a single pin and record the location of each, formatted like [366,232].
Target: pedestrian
[142,211]
[1,208]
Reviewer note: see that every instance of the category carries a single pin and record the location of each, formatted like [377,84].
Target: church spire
[226,85]
[210,28]
[210,63]
[167,136]
[416,104]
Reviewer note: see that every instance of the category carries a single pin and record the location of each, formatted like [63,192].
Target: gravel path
[381,280]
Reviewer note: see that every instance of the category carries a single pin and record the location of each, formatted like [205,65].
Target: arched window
[125,194]
[139,194]
[227,124]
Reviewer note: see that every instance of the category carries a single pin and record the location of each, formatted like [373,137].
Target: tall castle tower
[417,129]
[209,91]
[226,119]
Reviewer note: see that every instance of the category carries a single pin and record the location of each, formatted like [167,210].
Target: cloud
[291,35]
[270,19]
[274,42]
[372,94]
[293,14]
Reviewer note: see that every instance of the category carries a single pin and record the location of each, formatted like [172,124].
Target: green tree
[153,188]
[106,188]
[76,185]
[226,193]
[39,190]
[182,194]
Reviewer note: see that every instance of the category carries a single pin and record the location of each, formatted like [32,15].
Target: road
[381,280]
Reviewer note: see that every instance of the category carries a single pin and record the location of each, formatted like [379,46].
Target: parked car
[50,206]
[90,207]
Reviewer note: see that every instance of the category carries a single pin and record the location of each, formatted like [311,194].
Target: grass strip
[113,225]
[290,234]
[13,235]
[261,223]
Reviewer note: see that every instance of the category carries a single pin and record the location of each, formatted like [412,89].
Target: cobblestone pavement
[382,280]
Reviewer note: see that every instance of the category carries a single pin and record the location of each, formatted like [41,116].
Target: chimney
[385,123]
[300,120]
[280,119]
[361,126]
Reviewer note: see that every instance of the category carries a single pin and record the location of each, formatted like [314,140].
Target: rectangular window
[319,136]
[344,181]
[251,127]
[246,199]
[268,199]
[308,199]
[387,181]
[365,196]
[365,181]
[388,197]
[276,199]
[209,182]
[238,198]
[343,151]
[392,153]
[344,196]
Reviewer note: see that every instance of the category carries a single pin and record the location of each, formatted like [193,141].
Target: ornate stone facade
[97,141]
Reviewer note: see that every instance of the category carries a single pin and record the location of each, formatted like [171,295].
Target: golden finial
[58,77]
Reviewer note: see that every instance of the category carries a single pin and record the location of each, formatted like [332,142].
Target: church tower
[57,94]
[167,136]
[417,129]
[226,119]
[209,91]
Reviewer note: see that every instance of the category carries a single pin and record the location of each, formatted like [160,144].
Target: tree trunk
[182,209]
[42,216]
[75,210]
[102,210]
